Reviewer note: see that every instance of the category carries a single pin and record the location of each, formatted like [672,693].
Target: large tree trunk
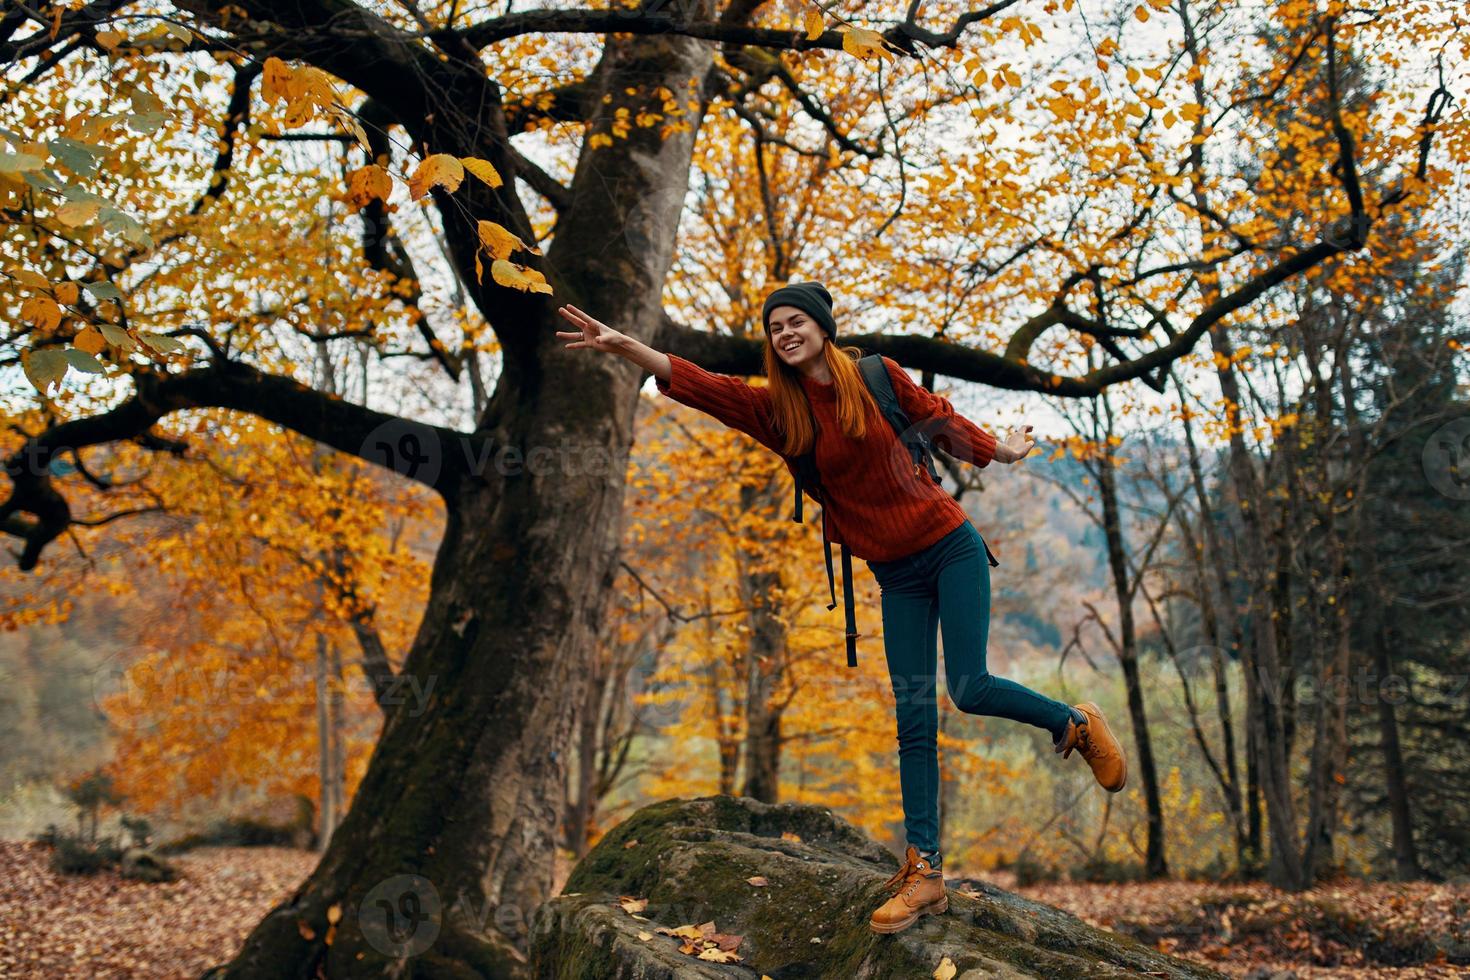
[449,844]
[765,667]
[584,797]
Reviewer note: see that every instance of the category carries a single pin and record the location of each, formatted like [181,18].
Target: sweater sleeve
[738,405]
[950,431]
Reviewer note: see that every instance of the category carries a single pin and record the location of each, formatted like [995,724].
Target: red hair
[790,412]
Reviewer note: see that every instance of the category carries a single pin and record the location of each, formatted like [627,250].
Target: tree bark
[765,671]
[326,801]
[455,824]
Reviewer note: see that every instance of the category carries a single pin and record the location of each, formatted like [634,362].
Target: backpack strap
[921,449]
[805,474]
[847,602]
[875,373]
[848,605]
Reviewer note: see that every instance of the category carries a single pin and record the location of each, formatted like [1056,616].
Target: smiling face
[796,337]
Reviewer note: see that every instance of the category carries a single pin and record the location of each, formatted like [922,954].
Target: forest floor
[105,926]
[1344,929]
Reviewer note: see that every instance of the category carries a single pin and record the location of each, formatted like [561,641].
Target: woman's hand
[1016,444]
[593,333]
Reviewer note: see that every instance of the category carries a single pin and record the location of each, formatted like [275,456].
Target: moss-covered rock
[691,860]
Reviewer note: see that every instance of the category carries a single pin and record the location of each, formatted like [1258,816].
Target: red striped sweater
[877,503]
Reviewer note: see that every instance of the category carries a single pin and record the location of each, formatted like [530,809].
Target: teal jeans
[946,583]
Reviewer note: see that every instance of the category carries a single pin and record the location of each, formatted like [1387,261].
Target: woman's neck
[818,372]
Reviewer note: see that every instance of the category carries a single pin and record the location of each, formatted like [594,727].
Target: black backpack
[804,468]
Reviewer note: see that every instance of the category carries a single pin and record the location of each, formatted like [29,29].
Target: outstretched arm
[593,334]
[724,396]
[950,431]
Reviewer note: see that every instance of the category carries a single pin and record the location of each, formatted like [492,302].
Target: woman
[928,559]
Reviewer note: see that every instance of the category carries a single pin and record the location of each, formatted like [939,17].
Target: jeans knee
[971,693]
[917,733]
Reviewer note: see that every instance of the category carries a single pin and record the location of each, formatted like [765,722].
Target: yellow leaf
[368,184]
[349,119]
[482,169]
[498,241]
[74,213]
[861,42]
[28,278]
[1140,13]
[945,970]
[41,311]
[66,293]
[438,170]
[517,276]
[109,39]
[1063,107]
[814,25]
[90,340]
[276,80]
[334,914]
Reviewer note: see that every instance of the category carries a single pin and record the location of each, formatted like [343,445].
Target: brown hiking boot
[917,889]
[1095,741]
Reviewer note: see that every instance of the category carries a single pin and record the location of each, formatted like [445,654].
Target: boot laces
[898,877]
[909,873]
[1089,749]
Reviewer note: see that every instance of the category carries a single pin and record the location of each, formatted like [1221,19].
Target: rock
[140,863]
[690,860]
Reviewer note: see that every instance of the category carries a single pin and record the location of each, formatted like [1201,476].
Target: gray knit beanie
[810,297]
